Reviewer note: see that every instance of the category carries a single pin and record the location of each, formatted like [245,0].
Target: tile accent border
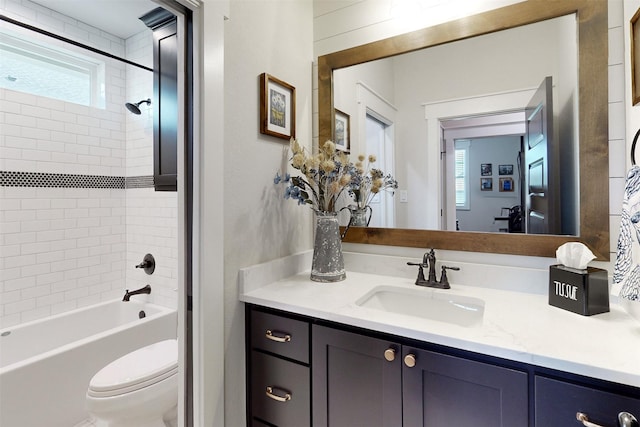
[60,180]
[138,181]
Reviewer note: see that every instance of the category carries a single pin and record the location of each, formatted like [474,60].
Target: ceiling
[117,17]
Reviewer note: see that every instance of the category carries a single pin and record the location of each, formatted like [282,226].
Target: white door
[379,138]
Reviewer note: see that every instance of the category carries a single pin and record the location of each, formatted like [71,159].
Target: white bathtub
[46,365]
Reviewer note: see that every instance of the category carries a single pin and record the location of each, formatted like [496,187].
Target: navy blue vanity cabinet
[356,380]
[278,373]
[362,380]
[558,401]
[343,376]
[441,390]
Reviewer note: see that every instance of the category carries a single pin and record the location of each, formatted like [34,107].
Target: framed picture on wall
[486,184]
[342,137]
[635,57]
[505,169]
[486,169]
[506,184]
[277,107]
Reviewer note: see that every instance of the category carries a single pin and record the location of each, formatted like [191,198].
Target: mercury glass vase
[328,262]
[360,217]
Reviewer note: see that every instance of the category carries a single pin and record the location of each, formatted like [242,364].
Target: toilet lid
[138,369]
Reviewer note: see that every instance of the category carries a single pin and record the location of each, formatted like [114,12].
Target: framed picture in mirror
[277,107]
[506,184]
[342,137]
[486,184]
[505,169]
[635,57]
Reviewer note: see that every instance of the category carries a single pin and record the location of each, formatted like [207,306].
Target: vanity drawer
[557,403]
[280,335]
[280,391]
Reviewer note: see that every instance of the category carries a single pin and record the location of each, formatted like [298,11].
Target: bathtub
[46,365]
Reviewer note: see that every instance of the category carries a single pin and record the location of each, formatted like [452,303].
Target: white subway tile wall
[151,216]
[63,247]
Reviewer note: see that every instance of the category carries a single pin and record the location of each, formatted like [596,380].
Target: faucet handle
[444,280]
[148,264]
[420,281]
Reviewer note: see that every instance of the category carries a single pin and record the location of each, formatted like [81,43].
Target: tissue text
[565,290]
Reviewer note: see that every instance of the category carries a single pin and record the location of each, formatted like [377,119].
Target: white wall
[66,247]
[259,225]
[342,24]
[360,22]
[378,76]
[486,205]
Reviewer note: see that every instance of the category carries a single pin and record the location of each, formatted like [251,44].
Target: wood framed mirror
[592,41]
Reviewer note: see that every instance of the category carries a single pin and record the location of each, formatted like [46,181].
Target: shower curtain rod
[72,42]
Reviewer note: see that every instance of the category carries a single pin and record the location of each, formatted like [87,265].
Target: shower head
[135,108]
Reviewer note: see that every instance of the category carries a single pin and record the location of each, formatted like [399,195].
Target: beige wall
[259,225]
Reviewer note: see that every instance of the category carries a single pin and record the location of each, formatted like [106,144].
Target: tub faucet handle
[148,264]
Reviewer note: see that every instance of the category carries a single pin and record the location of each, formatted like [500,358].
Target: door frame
[371,103]
[439,111]
[201,273]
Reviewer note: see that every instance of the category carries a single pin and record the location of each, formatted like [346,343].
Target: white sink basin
[425,303]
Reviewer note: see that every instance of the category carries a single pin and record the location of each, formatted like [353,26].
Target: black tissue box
[585,292]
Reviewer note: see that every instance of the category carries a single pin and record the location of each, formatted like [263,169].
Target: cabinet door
[165,132]
[442,391]
[557,403]
[353,383]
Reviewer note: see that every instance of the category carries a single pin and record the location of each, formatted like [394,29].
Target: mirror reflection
[460,127]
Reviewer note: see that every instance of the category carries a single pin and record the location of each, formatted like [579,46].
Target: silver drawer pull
[271,394]
[625,419]
[280,337]
[582,417]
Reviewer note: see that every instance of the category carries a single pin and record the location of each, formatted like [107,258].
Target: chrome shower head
[135,108]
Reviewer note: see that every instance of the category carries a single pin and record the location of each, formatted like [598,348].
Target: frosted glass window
[53,73]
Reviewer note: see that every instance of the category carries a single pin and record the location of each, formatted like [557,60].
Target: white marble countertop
[518,326]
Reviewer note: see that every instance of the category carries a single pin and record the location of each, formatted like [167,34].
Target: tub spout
[145,290]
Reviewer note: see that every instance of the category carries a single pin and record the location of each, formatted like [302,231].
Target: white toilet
[140,389]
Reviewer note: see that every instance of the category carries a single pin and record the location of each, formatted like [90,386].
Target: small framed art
[505,169]
[506,184]
[342,137]
[486,184]
[277,107]
[635,57]
[486,169]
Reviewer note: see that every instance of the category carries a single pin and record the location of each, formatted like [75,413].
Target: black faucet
[148,264]
[429,260]
[145,290]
